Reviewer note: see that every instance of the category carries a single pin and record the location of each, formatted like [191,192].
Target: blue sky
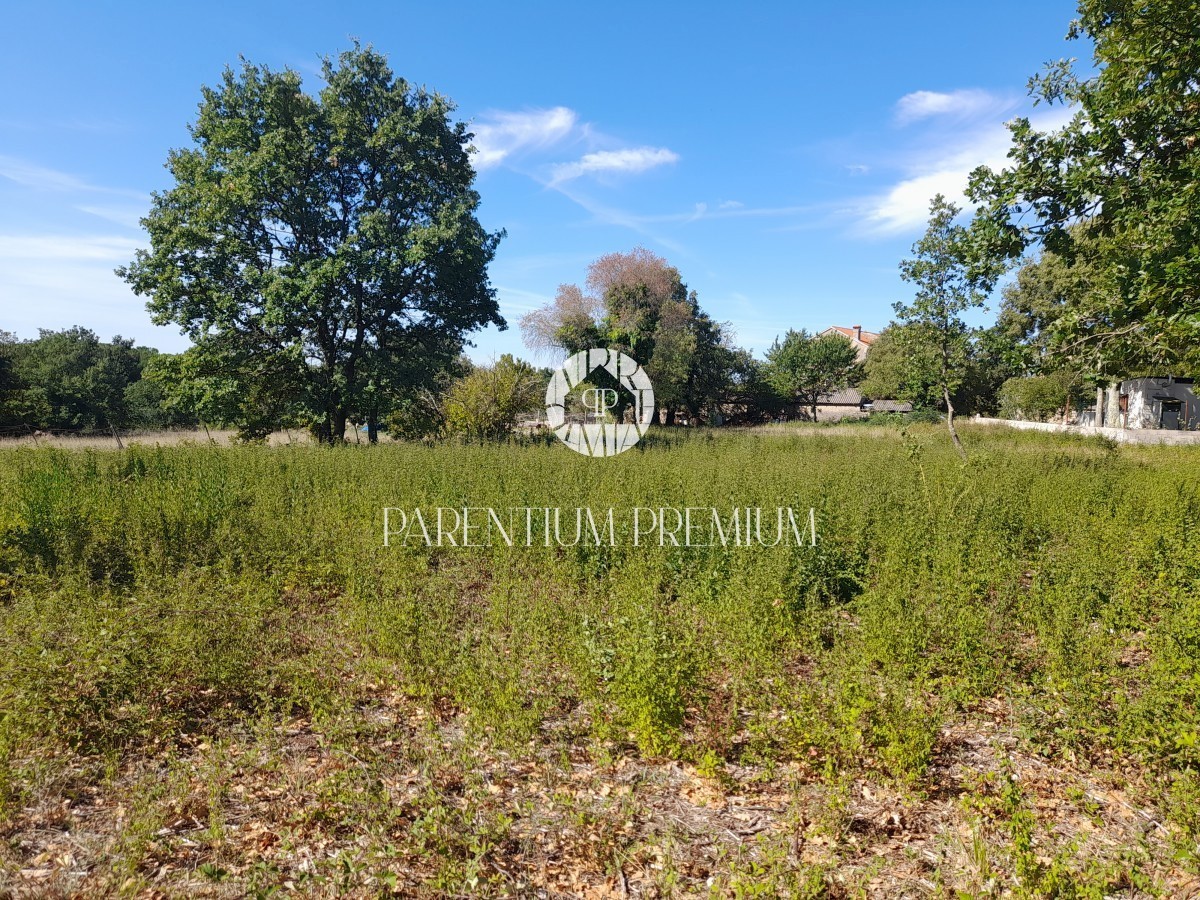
[782,156]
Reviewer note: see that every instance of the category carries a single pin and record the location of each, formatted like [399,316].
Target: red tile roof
[867,337]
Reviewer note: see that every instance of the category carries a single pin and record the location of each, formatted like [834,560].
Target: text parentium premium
[549,526]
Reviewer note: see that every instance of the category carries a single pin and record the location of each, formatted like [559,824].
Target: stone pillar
[1112,417]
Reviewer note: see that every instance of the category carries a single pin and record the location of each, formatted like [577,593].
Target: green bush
[1038,397]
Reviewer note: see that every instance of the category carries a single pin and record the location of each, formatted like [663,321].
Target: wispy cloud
[956,104]
[533,142]
[41,178]
[609,215]
[67,247]
[603,162]
[500,135]
[504,136]
[128,216]
[702,212]
[56,281]
[519,300]
[38,177]
[940,164]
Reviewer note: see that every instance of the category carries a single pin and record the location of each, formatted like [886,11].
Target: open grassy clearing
[982,681]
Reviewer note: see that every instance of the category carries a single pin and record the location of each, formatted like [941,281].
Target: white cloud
[57,281]
[629,161]
[906,206]
[609,215]
[958,104]
[518,300]
[66,247]
[943,166]
[41,178]
[502,134]
[129,216]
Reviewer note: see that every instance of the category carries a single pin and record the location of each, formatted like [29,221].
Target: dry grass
[173,438]
[397,799]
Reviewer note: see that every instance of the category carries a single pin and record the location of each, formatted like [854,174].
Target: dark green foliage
[322,252]
[72,381]
[1039,397]
[1129,165]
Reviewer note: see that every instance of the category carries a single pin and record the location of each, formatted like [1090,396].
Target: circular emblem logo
[596,429]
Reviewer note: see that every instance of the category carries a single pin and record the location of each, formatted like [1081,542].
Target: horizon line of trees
[323,254]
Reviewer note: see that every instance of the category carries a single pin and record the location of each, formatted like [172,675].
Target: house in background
[1166,402]
[862,340]
[848,402]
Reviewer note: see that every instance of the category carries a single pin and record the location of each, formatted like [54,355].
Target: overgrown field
[983,680]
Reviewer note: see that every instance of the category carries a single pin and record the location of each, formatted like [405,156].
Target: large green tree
[902,366]
[321,249]
[1045,322]
[1129,165]
[804,367]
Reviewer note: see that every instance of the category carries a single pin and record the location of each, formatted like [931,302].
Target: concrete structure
[1120,435]
[1163,403]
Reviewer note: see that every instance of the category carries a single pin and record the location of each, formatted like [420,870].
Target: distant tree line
[72,381]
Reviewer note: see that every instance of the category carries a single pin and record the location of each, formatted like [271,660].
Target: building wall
[835,413]
[1143,410]
[1120,435]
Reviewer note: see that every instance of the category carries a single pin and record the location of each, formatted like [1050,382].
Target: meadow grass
[983,679]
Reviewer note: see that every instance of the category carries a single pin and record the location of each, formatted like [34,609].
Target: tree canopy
[70,380]
[934,331]
[804,367]
[1128,164]
[637,302]
[321,251]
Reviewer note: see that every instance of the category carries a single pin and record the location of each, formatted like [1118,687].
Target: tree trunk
[814,412]
[373,424]
[333,429]
[950,424]
[1099,407]
[670,416]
